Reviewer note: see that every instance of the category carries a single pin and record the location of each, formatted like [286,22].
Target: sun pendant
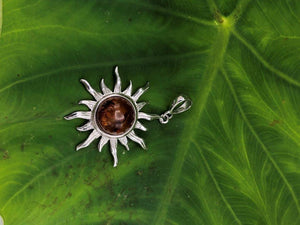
[114,115]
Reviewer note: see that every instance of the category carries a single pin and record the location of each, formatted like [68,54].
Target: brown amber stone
[115,115]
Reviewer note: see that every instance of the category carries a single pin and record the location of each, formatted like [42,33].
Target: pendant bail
[179,105]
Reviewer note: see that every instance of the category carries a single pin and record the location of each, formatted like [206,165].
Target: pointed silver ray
[88,103]
[79,114]
[140,105]
[140,91]
[117,88]
[113,149]
[104,88]
[128,90]
[136,139]
[124,141]
[86,127]
[145,116]
[102,142]
[140,126]
[91,90]
[89,140]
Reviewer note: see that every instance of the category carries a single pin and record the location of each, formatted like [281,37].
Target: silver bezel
[94,120]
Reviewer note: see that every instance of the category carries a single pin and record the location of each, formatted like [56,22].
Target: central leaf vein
[214,63]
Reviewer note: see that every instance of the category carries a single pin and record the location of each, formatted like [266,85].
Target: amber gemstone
[115,115]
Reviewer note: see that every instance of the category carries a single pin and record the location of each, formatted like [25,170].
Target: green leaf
[233,158]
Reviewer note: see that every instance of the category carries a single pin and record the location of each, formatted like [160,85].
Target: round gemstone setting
[115,115]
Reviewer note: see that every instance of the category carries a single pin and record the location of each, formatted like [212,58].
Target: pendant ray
[89,140]
[128,90]
[145,116]
[88,103]
[85,127]
[141,105]
[104,88]
[136,139]
[140,91]
[91,90]
[102,142]
[113,149]
[117,88]
[79,114]
[124,141]
[140,126]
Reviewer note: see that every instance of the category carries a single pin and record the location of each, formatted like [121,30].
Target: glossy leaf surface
[233,158]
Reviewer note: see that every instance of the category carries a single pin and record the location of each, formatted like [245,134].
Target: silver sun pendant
[115,114]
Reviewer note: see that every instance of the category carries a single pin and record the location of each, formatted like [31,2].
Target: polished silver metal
[179,105]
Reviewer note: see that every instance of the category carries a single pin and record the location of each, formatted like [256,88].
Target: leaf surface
[233,158]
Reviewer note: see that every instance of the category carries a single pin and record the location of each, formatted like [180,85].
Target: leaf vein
[264,62]
[102,64]
[56,26]
[42,173]
[1,16]
[265,149]
[166,11]
[216,183]
[215,61]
